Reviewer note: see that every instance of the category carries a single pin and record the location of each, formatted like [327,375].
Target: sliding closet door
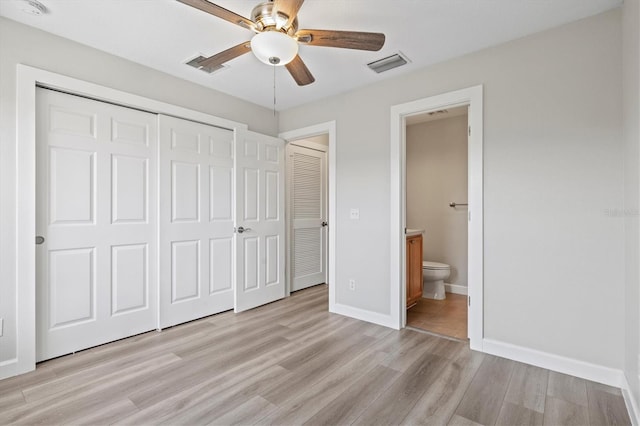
[96,222]
[196,220]
[260,255]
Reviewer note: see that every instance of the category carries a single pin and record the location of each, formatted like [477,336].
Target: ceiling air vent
[195,62]
[388,63]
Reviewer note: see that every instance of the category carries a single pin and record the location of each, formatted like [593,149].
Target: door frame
[289,220]
[27,79]
[473,97]
[329,128]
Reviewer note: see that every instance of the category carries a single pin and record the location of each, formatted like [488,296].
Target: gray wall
[436,176]
[20,44]
[553,165]
[631,85]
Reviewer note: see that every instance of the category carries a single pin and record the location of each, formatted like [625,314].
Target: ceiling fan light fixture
[274,47]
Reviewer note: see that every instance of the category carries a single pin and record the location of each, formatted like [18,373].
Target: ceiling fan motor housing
[267,19]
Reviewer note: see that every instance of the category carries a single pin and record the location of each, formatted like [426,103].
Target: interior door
[96,222]
[308,210]
[196,220]
[260,222]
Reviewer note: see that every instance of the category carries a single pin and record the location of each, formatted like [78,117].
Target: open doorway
[436,217]
[405,272]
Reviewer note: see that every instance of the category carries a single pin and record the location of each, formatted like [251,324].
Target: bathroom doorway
[406,281]
[436,216]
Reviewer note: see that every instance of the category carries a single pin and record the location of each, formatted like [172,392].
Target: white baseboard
[363,315]
[585,370]
[631,403]
[456,288]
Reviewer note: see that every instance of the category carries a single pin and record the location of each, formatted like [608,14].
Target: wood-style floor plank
[528,387]
[606,408]
[345,408]
[438,404]
[9,400]
[57,407]
[457,420]
[295,408]
[292,362]
[568,388]
[560,412]
[484,397]
[514,414]
[393,404]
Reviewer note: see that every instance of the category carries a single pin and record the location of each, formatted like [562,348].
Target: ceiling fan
[277,36]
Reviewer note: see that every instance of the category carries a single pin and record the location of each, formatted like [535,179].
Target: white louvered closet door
[308,207]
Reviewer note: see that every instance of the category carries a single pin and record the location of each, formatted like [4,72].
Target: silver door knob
[324,224]
[39,240]
[242,229]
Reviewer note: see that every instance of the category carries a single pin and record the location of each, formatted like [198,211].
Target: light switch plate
[355,214]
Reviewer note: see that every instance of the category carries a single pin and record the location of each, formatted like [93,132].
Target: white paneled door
[260,222]
[96,223]
[308,210]
[196,220]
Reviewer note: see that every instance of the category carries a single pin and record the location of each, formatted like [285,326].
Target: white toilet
[433,276]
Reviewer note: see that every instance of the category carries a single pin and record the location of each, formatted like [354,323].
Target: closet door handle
[324,224]
[242,229]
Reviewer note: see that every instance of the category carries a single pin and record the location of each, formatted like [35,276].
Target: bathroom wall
[436,176]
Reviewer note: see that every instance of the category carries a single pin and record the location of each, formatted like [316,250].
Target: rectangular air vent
[195,62]
[388,63]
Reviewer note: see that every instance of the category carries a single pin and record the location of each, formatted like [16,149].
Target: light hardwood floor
[447,317]
[292,362]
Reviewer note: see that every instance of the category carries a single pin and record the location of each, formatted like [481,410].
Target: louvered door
[308,207]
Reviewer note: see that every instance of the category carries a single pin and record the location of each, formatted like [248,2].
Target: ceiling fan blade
[344,39]
[220,12]
[300,72]
[226,55]
[288,7]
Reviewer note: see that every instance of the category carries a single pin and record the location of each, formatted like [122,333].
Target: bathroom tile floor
[447,317]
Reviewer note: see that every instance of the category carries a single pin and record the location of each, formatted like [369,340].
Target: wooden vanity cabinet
[414,269]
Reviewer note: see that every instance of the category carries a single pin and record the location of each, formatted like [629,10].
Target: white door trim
[27,78]
[319,129]
[473,97]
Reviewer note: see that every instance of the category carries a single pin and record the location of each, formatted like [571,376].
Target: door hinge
[469,130]
[469,215]
[469,299]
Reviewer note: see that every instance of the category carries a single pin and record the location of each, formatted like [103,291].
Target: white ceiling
[163,34]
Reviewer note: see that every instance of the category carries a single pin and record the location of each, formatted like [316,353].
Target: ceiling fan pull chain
[274,90]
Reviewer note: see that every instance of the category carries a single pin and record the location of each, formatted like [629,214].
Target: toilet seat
[434,265]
